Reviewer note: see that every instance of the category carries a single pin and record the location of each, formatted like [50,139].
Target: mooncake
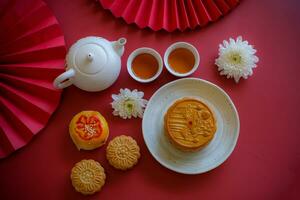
[88,130]
[88,177]
[123,152]
[189,124]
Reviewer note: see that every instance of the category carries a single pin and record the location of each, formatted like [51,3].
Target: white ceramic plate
[216,152]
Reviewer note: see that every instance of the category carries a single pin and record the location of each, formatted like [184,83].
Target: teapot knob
[90,57]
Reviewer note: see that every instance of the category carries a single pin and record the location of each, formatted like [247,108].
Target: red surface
[169,15]
[266,161]
[32,54]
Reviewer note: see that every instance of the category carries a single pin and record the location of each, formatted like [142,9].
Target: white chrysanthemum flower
[129,104]
[236,59]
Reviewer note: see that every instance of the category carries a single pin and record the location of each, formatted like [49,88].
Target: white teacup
[187,46]
[144,50]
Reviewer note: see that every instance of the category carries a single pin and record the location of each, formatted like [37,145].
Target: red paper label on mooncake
[88,127]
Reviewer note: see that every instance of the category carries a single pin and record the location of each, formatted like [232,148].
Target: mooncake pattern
[88,177]
[189,124]
[123,152]
[88,130]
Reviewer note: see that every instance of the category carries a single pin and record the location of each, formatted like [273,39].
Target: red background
[266,161]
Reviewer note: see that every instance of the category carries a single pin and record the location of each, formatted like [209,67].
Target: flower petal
[121,103]
[236,59]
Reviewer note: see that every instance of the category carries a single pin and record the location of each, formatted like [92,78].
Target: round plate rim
[235,139]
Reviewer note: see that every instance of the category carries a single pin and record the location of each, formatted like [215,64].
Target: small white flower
[129,103]
[236,59]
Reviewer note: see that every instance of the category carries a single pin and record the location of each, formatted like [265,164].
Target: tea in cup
[144,64]
[181,59]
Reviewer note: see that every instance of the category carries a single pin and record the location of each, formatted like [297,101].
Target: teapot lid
[88,55]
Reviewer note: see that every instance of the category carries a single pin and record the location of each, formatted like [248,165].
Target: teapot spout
[119,46]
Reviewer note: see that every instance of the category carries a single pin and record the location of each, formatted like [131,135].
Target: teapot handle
[61,81]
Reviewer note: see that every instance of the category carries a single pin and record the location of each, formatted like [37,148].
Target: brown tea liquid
[144,66]
[181,60]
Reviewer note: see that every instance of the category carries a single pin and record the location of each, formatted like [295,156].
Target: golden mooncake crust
[123,152]
[88,130]
[88,177]
[189,124]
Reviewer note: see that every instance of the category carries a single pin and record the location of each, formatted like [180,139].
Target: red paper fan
[169,14]
[32,54]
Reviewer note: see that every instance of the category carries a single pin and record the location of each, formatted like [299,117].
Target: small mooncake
[88,177]
[189,124]
[123,152]
[88,130]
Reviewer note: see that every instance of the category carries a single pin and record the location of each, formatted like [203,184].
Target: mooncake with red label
[88,130]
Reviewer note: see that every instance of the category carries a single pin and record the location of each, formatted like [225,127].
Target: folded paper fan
[169,14]
[32,53]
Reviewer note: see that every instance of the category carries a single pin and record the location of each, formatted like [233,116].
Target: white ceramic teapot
[93,64]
